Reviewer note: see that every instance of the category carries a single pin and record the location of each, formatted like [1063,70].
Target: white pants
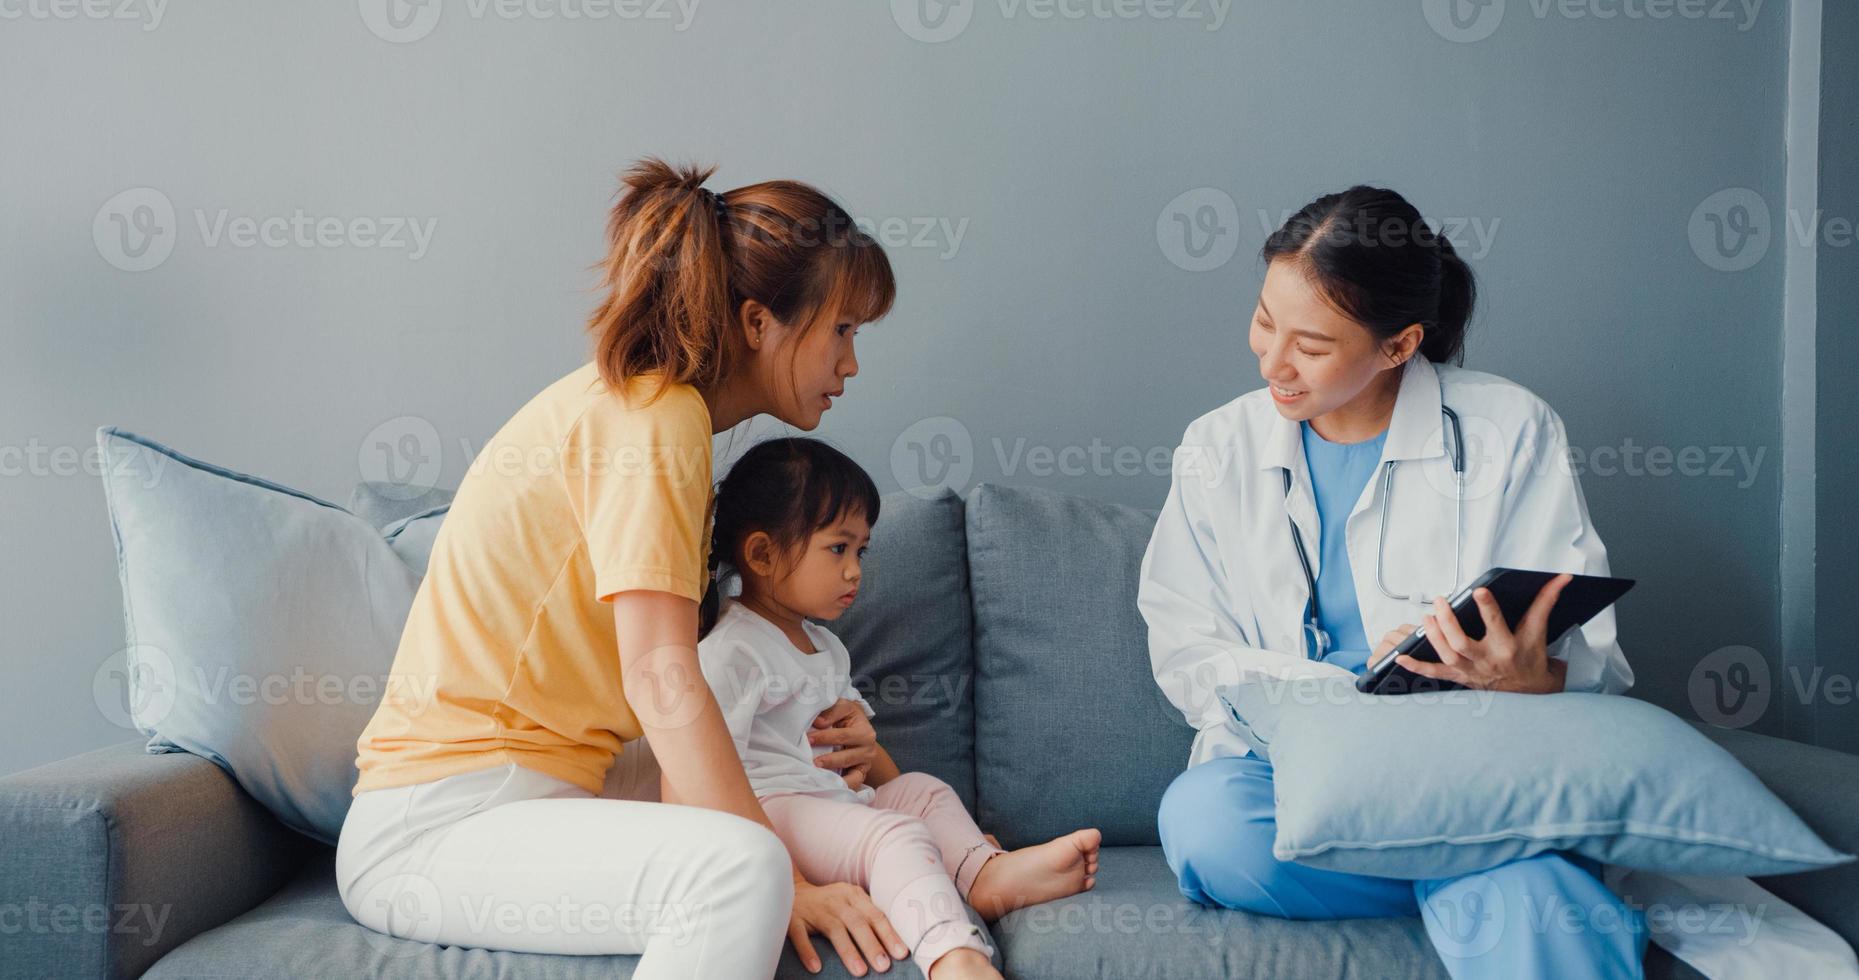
[508,858]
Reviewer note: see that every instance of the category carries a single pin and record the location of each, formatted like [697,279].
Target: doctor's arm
[1196,641]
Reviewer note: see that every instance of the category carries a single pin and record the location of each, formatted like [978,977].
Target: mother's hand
[848,918]
[855,742]
[1502,660]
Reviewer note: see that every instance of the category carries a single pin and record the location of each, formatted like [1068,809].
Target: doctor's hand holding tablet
[1470,642]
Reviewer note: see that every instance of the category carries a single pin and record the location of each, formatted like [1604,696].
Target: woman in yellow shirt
[558,619]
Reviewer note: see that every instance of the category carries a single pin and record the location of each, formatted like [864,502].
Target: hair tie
[717,204]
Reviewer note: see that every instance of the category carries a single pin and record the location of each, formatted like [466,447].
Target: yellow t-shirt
[510,653]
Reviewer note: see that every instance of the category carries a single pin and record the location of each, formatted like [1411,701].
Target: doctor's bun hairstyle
[1377,261]
[788,489]
[682,259]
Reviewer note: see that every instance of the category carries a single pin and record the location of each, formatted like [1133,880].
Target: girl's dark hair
[682,259]
[1375,259]
[788,489]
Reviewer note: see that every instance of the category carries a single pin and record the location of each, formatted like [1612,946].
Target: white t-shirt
[770,693]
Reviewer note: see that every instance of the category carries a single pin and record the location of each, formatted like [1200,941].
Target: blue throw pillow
[261,622]
[1438,785]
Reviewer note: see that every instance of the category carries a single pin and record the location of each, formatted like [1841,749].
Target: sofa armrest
[1822,786]
[112,858]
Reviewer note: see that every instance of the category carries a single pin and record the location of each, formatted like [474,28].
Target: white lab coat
[1223,593]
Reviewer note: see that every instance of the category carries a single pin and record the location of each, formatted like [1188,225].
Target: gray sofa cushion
[911,638]
[112,858]
[382,504]
[304,931]
[1819,785]
[1070,728]
[1136,926]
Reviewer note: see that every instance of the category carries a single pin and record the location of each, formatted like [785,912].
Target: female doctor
[1369,478]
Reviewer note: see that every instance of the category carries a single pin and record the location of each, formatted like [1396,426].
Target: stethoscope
[1319,638]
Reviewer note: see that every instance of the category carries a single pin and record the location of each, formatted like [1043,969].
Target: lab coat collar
[1413,432]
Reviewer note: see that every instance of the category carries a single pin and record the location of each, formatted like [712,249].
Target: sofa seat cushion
[1135,925]
[304,931]
[1070,728]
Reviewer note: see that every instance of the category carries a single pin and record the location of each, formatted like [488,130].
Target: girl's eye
[838,549]
[844,329]
[862,552]
[1312,353]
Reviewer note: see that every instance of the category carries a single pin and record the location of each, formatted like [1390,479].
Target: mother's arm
[674,704]
[666,690]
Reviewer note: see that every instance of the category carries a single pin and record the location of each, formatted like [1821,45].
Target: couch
[999,641]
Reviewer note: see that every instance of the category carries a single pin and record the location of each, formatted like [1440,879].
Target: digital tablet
[1514,589]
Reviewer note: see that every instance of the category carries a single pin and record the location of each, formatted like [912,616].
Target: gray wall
[1836,711]
[1056,146]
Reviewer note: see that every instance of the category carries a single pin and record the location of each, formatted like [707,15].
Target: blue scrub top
[1338,472]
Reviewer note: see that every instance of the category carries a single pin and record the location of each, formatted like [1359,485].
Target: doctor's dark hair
[1375,259]
[787,489]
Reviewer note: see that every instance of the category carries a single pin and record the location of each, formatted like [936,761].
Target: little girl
[793,518]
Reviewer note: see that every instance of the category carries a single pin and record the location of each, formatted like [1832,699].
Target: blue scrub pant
[1545,916]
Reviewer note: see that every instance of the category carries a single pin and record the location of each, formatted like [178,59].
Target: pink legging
[914,848]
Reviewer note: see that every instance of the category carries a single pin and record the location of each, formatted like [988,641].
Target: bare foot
[1061,866]
[963,964]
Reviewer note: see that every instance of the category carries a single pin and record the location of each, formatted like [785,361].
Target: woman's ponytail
[667,276]
[682,259]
